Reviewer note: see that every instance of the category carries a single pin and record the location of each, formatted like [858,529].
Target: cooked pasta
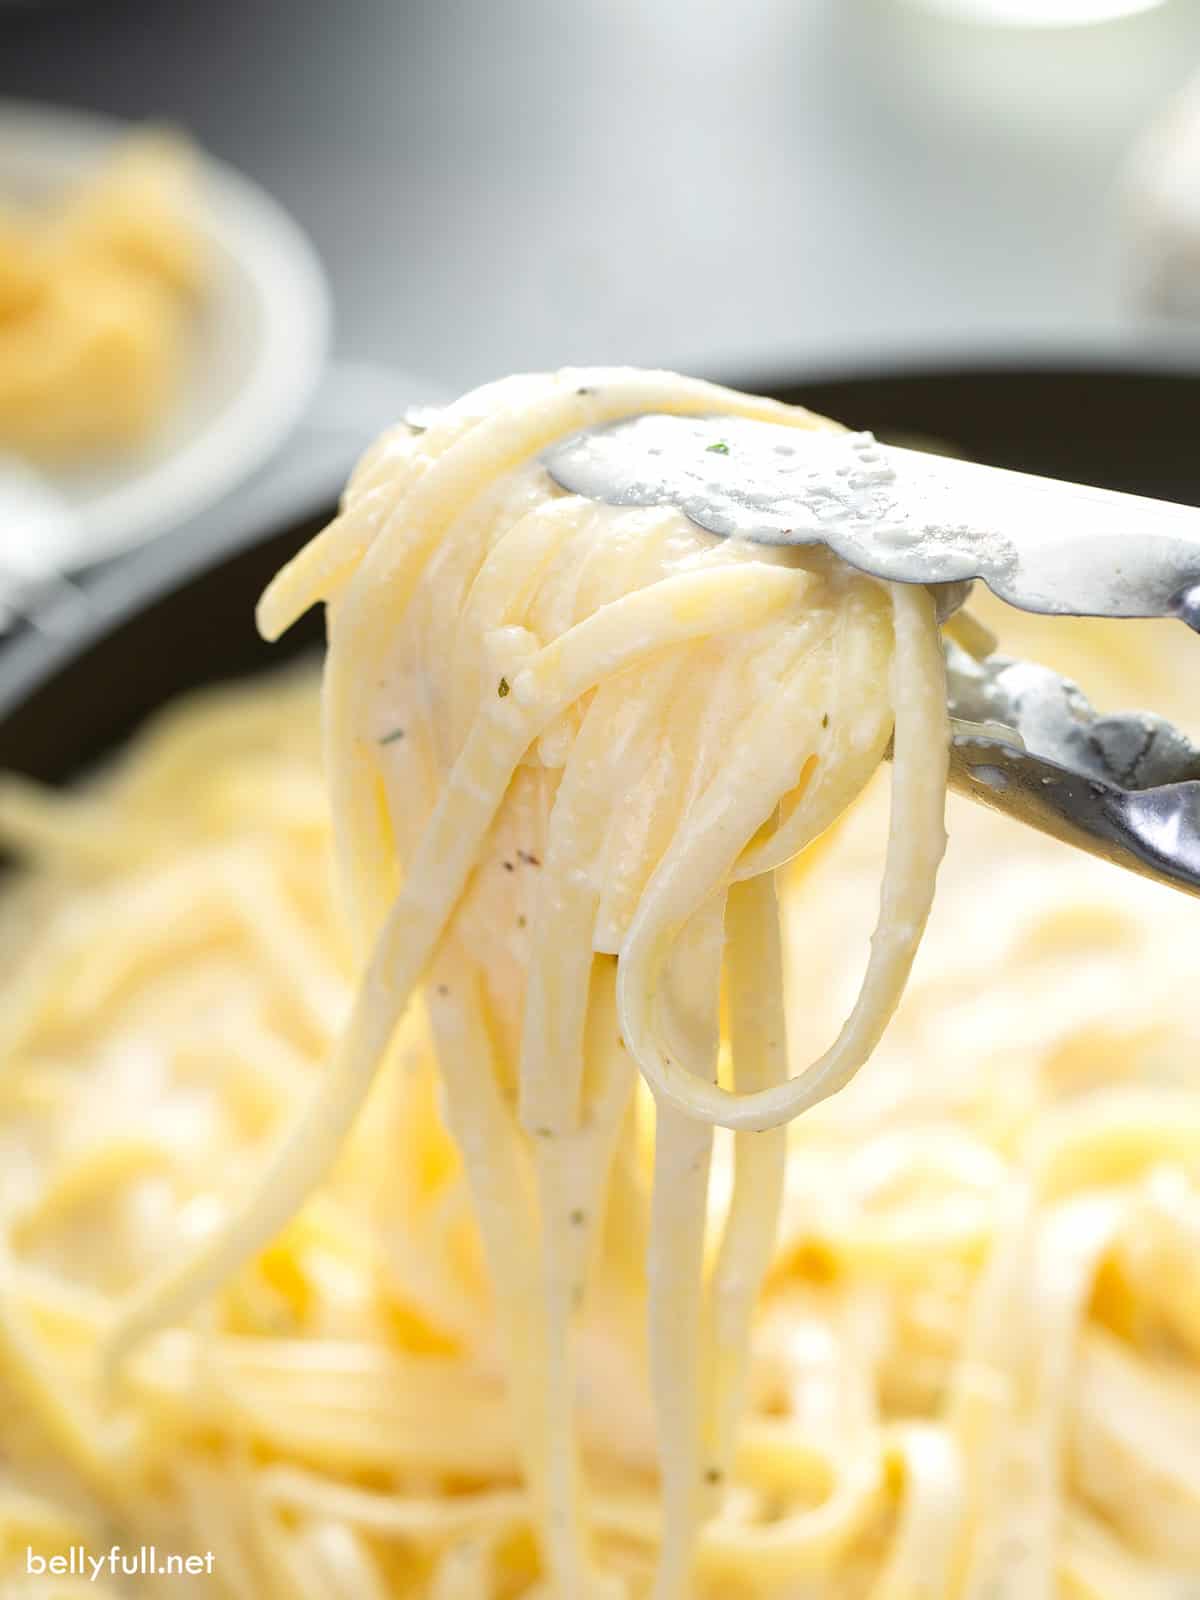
[98,295]
[536,1322]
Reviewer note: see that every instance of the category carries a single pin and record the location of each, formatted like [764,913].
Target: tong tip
[1186,606]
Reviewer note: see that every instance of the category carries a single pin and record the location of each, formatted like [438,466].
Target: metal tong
[1026,741]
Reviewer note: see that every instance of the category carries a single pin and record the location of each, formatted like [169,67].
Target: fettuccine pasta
[459,1245]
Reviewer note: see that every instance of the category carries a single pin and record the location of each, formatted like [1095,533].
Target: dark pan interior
[1138,431]
[180,618]
[184,614]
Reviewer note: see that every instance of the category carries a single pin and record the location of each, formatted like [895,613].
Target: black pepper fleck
[825,720]
[503,688]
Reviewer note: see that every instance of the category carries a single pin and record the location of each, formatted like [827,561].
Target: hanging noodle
[524,1327]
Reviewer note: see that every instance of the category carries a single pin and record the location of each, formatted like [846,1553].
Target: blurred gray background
[744,187]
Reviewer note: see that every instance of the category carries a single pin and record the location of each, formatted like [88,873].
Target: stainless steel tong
[1026,741]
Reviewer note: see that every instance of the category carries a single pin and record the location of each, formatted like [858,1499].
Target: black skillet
[182,614]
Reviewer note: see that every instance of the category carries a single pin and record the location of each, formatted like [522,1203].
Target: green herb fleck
[825,720]
[504,688]
[521,921]
[544,1133]
[391,738]
[719,448]
[578,1218]
[713,1475]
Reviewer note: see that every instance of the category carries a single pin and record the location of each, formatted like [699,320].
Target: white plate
[257,354]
